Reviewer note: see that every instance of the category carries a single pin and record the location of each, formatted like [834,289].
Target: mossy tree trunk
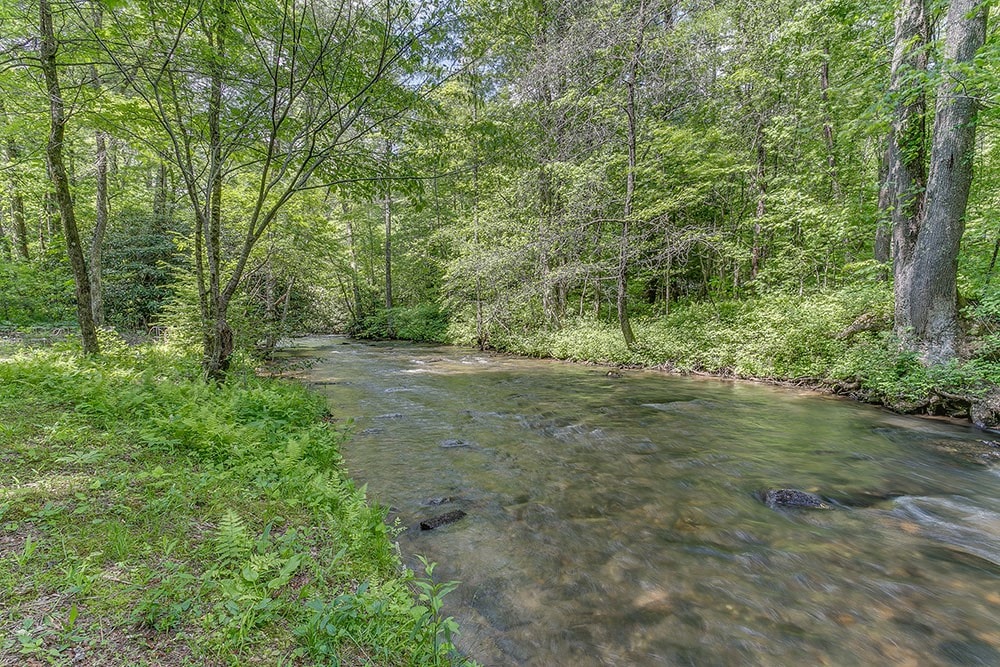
[60,180]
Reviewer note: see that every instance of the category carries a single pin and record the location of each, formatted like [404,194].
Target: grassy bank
[147,518]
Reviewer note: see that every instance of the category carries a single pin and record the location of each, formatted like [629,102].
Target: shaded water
[613,521]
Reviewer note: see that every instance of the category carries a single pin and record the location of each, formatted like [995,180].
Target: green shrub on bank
[215,522]
[424,322]
[839,336]
[779,336]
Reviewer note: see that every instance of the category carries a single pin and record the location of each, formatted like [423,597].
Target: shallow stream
[616,521]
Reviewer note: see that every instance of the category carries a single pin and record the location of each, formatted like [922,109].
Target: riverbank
[838,341]
[147,518]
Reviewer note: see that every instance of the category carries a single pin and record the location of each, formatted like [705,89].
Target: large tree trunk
[927,303]
[57,171]
[907,171]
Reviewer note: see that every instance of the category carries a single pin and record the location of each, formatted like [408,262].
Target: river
[616,520]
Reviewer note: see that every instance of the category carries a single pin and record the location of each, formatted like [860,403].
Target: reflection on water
[613,521]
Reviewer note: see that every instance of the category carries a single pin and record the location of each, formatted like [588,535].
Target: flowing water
[616,521]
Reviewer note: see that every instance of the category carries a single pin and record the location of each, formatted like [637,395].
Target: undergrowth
[149,518]
[774,337]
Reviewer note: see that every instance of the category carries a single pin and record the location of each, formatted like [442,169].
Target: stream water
[615,520]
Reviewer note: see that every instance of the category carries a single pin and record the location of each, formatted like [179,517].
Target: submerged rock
[439,500]
[454,443]
[441,520]
[981,452]
[779,498]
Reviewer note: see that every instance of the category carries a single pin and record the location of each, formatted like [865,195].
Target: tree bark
[760,180]
[19,230]
[907,171]
[57,171]
[387,219]
[355,285]
[928,309]
[632,130]
[218,335]
[160,198]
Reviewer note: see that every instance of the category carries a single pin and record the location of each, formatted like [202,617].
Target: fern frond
[231,539]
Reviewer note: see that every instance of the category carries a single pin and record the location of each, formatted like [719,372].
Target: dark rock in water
[442,520]
[985,412]
[614,374]
[391,415]
[776,498]
[454,443]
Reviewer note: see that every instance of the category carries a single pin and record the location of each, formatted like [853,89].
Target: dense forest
[700,176]
[805,192]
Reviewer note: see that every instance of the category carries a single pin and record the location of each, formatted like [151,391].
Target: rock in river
[455,443]
[778,498]
[441,520]
[985,411]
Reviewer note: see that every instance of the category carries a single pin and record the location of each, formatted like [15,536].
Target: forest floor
[148,518]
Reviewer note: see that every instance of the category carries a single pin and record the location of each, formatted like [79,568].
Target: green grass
[148,518]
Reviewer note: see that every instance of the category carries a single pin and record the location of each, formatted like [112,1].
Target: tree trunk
[50,217]
[480,326]
[387,219]
[100,227]
[632,130]
[355,286]
[760,180]
[927,302]
[57,171]
[160,215]
[218,335]
[19,231]
[907,172]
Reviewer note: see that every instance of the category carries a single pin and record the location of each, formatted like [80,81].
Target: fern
[231,540]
